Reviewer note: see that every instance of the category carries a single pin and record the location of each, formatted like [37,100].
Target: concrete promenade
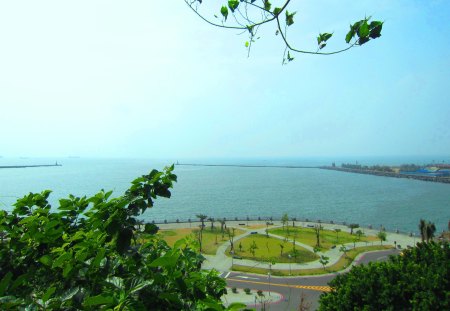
[223,263]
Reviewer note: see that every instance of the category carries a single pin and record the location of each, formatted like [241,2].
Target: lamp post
[270,269]
[290,271]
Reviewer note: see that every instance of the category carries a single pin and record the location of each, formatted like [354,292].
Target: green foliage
[250,15]
[84,255]
[417,280]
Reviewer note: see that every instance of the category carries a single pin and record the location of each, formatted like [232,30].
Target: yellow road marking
[310,287]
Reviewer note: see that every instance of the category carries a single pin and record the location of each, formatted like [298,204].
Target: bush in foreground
[418,279]
[85,255]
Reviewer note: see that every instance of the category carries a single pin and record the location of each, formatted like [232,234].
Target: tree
[344,250]
[202,219]
[252,249]
[231,234]
[427,230]
[416,280]
[324,260]
[353,226]
[337,230]
[211,219]
[84,254]
[382,236]
[317,232]
[249,16]
[284,219]
[359,233]
[281,249]
[222,225]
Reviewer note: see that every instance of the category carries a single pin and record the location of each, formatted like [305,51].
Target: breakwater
[26,166]
[439,179]
[246,165]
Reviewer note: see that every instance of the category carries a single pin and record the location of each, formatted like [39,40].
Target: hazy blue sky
[149,79]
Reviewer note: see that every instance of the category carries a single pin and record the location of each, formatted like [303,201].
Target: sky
[150,79]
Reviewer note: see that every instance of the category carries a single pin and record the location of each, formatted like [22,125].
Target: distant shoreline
[445,180]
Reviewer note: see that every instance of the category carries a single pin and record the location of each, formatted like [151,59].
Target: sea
[247,192]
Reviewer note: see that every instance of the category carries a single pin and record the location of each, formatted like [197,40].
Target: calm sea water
[240,192]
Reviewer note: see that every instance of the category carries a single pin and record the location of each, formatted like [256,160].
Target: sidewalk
[222,263]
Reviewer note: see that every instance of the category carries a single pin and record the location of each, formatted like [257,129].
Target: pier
[246,165]
[26,166]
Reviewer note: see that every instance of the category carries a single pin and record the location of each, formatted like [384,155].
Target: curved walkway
[223,263]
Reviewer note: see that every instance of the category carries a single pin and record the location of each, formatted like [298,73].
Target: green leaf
[46,260]
[267,5]
[67,268]
[233,4]
[247,44]
[19,281]
[5,282]
[69,293]
[375,29]
[98,258]
[276,11]
[236,306]
[59,262]
[349,35]
[290,18]
[98,300]
[224,12]
[363,40]
[165,261]
[289,57]
[363,30]
[48,293]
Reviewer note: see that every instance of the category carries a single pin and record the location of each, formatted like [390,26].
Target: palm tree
[202,227]
[422,229]
[431,229]
[337,230]
[211,219]
[427,230]
[353,226]
[202,219]
[284,220]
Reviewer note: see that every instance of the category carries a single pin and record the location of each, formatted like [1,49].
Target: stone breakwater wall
[445,180]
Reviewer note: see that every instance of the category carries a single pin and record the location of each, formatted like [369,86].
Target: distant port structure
[435,173]
[27,166]
[246,165]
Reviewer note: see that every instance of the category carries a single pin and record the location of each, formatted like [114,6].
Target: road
[291,288]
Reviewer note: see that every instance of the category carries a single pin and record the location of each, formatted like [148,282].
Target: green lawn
[211,238]
[269,249]
[328,238]
[342,263]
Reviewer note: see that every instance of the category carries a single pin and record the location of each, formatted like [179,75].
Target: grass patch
[342,263]
[328,238]
[212,239]
[269,249]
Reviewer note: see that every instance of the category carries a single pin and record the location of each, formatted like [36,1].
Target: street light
[290,271]
[270,269]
